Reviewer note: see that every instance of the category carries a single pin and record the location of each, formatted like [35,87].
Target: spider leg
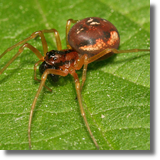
[33,49]
[33,35]
[68,25]
[113,50]
[43,79]
[57,37]
[35,75]
[82,61]
[78,90]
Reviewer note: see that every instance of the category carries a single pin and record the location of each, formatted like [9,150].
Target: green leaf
[116,95]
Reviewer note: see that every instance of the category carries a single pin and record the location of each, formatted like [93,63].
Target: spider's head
[54,58]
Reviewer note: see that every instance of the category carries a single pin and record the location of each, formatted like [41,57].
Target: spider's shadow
[111,59]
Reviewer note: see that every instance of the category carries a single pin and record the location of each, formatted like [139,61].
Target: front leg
[35,75]
[33,35]
[43,80]
[33,49]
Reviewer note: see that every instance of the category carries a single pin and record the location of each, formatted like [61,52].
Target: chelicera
[88,40]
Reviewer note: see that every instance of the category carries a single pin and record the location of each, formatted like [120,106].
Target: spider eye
[51,54]
[55,58]
[47,53]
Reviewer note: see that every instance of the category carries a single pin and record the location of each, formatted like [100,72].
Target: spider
[89,39]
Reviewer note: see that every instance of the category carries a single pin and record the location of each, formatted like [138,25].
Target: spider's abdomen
[92,35]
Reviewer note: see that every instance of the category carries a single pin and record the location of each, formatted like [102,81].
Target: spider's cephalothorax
[58,60]
[61,60]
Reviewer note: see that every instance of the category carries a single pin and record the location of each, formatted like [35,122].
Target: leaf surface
[116,95]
